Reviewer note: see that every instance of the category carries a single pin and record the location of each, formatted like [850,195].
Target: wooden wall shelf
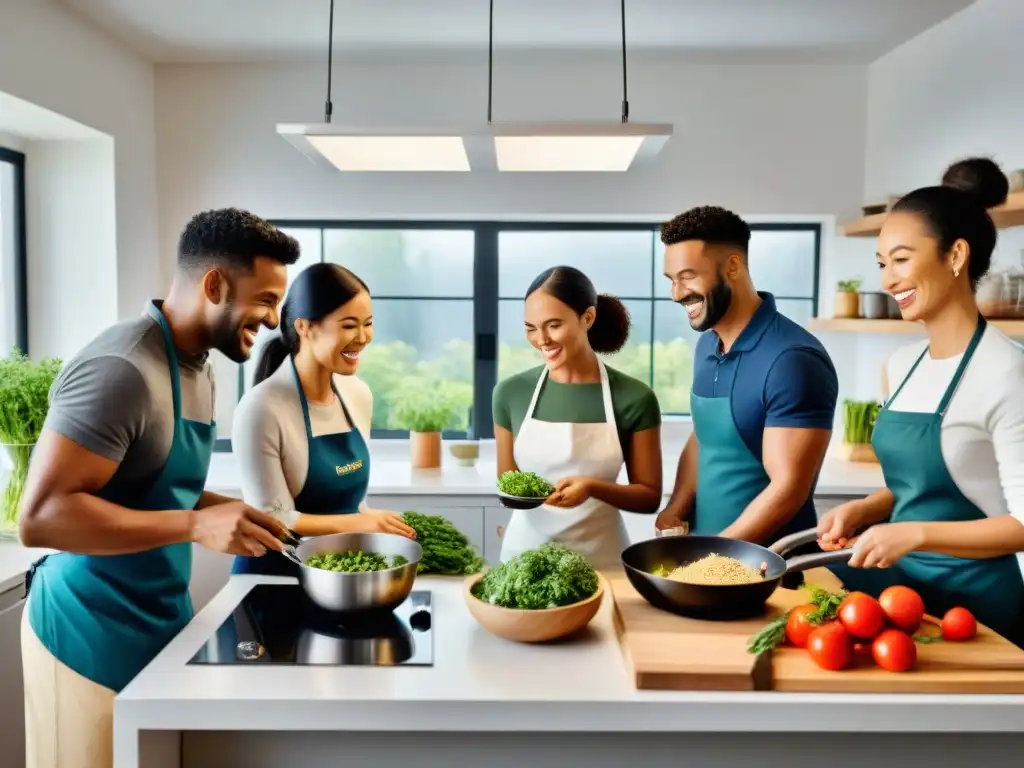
[847,325]
[1010,214]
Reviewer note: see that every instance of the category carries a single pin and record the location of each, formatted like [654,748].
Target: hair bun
[979,177]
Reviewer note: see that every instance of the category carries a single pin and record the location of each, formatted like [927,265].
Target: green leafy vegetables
[24,401]
[547,577]
[446,550]
[859,421]
[354,562]
[526,485]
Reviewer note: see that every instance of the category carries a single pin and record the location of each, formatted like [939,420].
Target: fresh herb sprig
[775,632]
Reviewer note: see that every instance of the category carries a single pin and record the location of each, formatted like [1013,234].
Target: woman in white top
[950,439]
[301,434]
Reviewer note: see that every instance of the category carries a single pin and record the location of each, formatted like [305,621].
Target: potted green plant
[858,426]
[425,413]
[847,302]
[24,401]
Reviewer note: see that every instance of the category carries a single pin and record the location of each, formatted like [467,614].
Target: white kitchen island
[489,702]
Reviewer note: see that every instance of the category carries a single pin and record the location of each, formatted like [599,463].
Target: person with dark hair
[302,433]
[117,480]
[576,421]
[763,398]
[950,437]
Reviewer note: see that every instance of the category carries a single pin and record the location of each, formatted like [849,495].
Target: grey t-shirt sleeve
[100,403]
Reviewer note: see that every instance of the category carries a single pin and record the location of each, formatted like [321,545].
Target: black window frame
[17,161]
[486,297]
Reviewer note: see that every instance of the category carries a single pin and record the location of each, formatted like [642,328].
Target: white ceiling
[256,30]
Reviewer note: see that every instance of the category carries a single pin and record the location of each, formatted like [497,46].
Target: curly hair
[234,238]
[709,223]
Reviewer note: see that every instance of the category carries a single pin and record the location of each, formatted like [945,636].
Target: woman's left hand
[882,545]
[570,492]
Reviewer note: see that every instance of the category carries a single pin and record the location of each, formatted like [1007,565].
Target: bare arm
[684,492]
[503,445]
[792,459]
[643,493]
[59,509]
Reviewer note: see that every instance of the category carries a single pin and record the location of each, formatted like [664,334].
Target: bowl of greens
[353,572]
[539,595]
[523,490]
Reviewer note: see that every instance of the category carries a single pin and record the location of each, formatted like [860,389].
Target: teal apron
[107,616]
[909,449]
[729,476]
[336,483]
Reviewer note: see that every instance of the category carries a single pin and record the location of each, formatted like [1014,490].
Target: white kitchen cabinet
[12,696]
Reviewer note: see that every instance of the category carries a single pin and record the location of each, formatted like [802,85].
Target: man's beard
[716,304]
[227,337]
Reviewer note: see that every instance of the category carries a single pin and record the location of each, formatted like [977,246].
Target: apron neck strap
[968,354]
[172,357]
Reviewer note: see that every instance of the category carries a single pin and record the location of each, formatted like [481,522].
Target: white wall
[51,58]
[769,137]
[72,242]
[953,91]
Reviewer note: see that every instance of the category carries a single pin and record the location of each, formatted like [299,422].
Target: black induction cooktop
[278,624]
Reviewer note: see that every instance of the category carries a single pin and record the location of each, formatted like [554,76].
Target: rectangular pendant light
[378,150]
[509,147]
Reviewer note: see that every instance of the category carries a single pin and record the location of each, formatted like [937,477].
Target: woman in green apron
[950,439]
[301,433]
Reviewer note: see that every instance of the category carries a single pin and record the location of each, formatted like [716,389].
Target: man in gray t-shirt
[117,479]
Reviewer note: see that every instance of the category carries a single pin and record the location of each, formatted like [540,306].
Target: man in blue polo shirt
[764,392]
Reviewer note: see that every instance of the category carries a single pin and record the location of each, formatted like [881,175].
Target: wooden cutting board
[669,652]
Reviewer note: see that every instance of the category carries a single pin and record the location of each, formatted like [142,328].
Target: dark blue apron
[336,483]
[107,616]
[909,449]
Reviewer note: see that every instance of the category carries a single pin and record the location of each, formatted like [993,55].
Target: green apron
[909,449]
[729,476]
[107,616]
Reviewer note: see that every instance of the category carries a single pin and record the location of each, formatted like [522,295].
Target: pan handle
[794,540]
[817,559]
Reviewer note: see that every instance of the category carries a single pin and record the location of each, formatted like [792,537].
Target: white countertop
[480,682]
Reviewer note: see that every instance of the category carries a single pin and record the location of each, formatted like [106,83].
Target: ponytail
[610,330]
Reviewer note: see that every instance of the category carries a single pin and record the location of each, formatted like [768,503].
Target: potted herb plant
[425,414]
[24,401]
[847,302]
[858,427]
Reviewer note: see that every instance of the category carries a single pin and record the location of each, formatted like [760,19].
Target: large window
[13,293]
[447,300]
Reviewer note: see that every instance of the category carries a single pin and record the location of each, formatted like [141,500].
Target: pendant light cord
[625,100]
[490,64]
[328,107]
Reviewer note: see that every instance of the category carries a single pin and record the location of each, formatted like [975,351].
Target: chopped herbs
[548,577]
[446,550]
[526,485]
[775,633]
[354,562]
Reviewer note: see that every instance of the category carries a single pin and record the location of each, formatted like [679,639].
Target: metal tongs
[289,538]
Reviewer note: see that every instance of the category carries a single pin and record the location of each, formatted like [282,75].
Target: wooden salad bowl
[532,626]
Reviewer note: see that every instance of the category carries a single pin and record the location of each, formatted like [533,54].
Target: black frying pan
[730,601]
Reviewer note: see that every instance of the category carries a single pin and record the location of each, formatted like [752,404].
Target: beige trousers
[69,720]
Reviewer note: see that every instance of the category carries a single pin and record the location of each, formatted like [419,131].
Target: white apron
[557,450]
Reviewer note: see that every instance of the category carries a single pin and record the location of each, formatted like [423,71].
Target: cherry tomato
[894,650]
[903,607]
[958,624]
[861,615]
[830,647]
[798,628]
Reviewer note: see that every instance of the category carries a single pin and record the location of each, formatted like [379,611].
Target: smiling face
[698,283]
[917,275]
[337,339]
[241,302]
[555,329]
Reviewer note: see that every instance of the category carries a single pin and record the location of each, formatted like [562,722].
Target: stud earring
[956,272]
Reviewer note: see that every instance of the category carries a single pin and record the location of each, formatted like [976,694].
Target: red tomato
[861,615]
[958,624]
[798,628]
[903,606]
[830,647]
[894,650]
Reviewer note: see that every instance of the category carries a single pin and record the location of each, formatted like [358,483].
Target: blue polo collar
[754,330]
